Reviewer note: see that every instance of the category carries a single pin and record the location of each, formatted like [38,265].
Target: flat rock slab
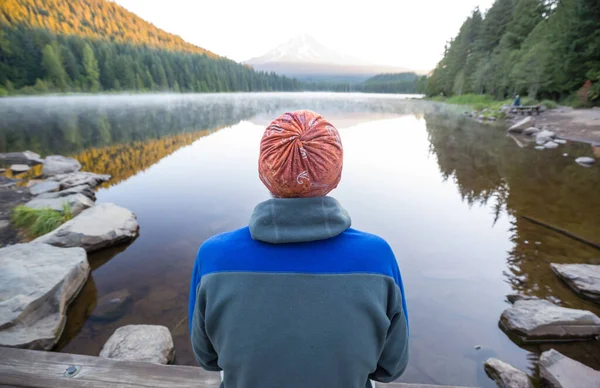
[559,371]
[148,343]
[77,203]
[19,168]
[79,178]
[56,164]
[544,136]
[44,187]
[585,161]
[540,320]
[522,125]
[37,283]
[530,131]
[96,228]
[506,375]
[81,189]
[582,278]
[29,158]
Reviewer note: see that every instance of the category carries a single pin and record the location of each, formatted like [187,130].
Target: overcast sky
[401,33]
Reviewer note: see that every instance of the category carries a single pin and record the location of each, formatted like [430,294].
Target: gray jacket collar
[293,220]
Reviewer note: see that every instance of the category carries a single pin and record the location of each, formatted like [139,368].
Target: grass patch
[37,222]
[480,102]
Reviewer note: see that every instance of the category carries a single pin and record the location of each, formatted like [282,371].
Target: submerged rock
[37,283]
[82,189]
[585,161]
[29,158]
[80,178]
[112,306]
[147,343]
[540,147]
[541,320]
[531,131]
[560,141]
[77,203]
[544,136]
[559,371]
[96,228]
[551,144]
[582,278]
[522,125]
[505,375]
[56,164]
[44,187]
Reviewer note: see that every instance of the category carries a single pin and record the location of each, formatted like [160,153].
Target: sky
[402,33]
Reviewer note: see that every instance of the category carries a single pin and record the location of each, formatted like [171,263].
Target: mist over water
[448,194]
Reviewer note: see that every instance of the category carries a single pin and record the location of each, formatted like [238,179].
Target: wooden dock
[32,368]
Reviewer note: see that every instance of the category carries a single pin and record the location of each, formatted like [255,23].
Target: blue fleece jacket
[298,299]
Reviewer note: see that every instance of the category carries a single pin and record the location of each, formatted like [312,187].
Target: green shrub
[37,222]
[549,104]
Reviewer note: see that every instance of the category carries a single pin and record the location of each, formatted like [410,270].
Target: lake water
[448,194]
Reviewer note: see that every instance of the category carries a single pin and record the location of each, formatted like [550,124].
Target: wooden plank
[38,369]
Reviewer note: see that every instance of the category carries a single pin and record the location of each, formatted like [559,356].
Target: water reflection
[447,193]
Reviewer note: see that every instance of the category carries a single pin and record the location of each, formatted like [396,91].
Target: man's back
[324,313]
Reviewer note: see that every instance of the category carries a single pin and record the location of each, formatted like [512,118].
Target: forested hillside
[539,48]
[395,83]
[96,45]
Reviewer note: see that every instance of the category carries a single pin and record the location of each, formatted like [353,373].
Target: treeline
[38,61]
[541,48]
[396,83]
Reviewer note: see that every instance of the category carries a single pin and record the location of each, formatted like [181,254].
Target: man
[517,101]
[298,299]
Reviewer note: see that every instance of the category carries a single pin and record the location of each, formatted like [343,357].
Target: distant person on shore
[298,299]
[517,101]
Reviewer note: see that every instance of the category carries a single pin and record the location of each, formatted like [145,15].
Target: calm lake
[447,193]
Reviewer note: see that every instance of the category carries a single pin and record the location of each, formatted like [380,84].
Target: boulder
[544,136]
[522,125]
[530,131]
[96,228]
[540,320]
[81,189]
[19,168]
[582,278]
[559,371]
[37,283]
[505,375]
[585,161]
[112,306]
[551,144]
[77,202]
[80,178]
[44,187]
[56,164]
[147,343]
[29,158]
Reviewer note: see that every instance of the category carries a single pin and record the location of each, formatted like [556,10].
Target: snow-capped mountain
[304,57]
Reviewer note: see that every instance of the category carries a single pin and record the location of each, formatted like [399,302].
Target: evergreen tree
[90,69]
[54,71]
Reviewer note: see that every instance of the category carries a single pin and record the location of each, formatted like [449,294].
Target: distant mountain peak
[304,49]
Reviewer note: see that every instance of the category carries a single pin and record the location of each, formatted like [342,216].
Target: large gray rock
[19,168]
[505,375]
[77,203]
[81,189]
[559,371]
[551,144]
[522,125]
[79,178]
[56,164]
[530,131]
[540,320]
[96,228]
[582,278]
[37,283]
[29,158]
[147,343]
[544,136]
[585,161]
[44,187]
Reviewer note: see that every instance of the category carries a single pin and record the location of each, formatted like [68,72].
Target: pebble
[538,243]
